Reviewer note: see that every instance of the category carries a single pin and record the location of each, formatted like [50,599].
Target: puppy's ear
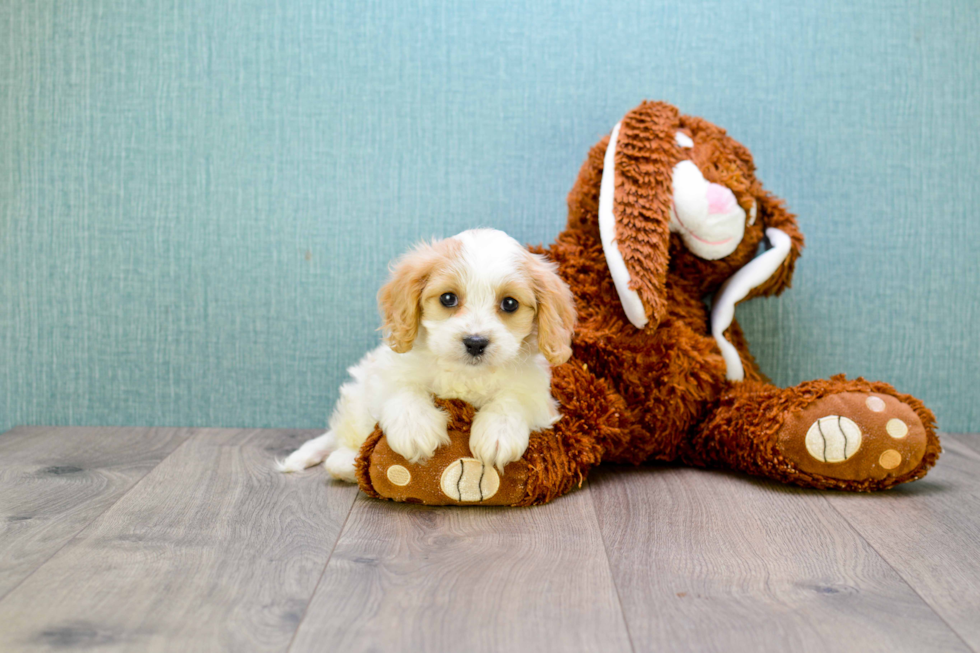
[399,299]
[634,208]
[772,214]
[556,313]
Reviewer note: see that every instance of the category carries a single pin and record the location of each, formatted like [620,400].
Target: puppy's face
[478,299]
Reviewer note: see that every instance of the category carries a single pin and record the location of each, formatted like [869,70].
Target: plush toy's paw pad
[854,436]
[833,439]
[469,480]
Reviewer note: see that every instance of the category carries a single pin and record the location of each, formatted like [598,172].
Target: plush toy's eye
[448,299]
[509,305]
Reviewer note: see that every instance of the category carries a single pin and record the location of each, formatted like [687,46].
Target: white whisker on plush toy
[474,317]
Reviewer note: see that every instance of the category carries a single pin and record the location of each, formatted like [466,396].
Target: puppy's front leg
[413,425]
[500,433]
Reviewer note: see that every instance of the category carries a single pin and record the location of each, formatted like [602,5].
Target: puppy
[474,317]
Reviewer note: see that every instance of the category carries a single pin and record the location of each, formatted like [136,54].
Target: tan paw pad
[890,459]
[399,475]
[875,404]
[897,428]
[833,439]
[469,480]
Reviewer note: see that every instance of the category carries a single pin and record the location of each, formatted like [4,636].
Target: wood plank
[714,561]
[969,440]
[213,550]
[417,578]
[55,481]
[929,531]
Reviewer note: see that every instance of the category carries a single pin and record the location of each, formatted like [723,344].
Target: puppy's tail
[313,452]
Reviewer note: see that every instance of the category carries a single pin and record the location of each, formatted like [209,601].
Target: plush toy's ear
[635,197]
[773,215]
[399,298]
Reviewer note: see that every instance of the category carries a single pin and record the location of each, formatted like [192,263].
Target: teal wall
[198,198]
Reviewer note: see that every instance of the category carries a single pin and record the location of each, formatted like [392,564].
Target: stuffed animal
[667,212]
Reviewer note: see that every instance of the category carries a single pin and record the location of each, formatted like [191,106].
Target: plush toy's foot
[452,476]
[830,434]
[854,436]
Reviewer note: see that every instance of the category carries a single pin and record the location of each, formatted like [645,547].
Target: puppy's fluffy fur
[452,331]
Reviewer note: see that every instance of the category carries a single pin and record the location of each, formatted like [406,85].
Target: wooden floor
[187,540]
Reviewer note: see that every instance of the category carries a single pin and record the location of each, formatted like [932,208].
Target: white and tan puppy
[474,317]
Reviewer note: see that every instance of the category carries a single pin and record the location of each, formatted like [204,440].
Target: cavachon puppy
[475,317]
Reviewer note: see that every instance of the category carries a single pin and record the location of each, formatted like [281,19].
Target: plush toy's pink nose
[720,199]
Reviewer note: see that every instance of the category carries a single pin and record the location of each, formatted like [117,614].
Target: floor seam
[323,573]
[899,574]
[94,519]
[605,551]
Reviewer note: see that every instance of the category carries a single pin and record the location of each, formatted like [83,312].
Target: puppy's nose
[475,344]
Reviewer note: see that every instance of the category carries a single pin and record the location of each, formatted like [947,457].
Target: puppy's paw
[311,453]
[415,430]
[340,464]
[498,439]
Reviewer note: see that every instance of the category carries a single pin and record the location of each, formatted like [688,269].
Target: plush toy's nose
[720,199]
[475,344]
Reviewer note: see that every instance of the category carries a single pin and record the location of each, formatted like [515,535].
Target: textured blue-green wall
[198,198]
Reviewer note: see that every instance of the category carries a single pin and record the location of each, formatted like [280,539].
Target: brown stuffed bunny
[667,211]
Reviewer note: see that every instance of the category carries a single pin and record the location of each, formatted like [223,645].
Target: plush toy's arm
[452,476]
[756,274]
[775,216]
[556,460]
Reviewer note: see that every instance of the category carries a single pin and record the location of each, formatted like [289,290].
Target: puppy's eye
[509,305]
[448,299]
